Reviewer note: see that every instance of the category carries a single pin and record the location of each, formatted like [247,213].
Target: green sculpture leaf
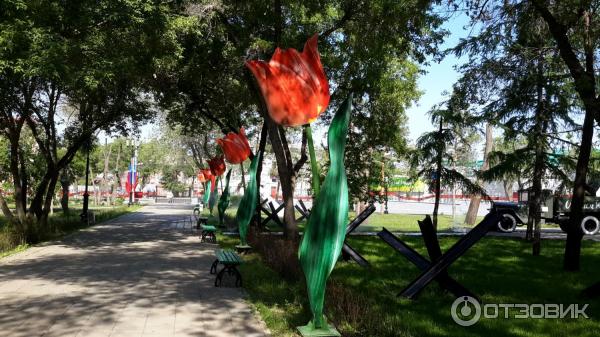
[247,205]
[224,200]
[213,197]
[326,228]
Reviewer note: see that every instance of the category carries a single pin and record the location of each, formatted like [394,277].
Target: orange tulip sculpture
[295,90]
[293,84]
[217,166]
[235,147]
[201,177]
[206,176]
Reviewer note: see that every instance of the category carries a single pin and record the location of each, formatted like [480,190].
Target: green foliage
[434,156]
[368,48]
[85,65]
[365,303]
[515,78]
[171,182]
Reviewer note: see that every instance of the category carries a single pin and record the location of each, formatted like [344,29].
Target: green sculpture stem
[213,197]
[207,188]
[247,206]
[326,228]
[314,166]
[224,200]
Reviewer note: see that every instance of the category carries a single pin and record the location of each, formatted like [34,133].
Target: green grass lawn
[393,222]
[63,223]
[499,270]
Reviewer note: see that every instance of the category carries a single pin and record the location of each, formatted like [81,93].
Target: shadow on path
[137,275]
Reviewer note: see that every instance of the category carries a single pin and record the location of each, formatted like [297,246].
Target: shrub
[9,238]
[279,254]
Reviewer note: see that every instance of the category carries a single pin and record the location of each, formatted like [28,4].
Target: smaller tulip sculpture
[214,196]
[217,168]
[235,146]
[208,178]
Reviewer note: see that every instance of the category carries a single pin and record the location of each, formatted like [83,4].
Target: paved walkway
[143,274]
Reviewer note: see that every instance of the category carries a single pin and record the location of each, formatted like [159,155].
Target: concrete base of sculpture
[325,331]
[243,249]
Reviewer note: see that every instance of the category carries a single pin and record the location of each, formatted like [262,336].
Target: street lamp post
[132,169]
[385,189]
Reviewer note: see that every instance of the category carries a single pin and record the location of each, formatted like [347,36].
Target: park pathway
[143,274]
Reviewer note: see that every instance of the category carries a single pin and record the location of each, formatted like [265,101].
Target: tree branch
[348,14]
[584,81]
[303,157]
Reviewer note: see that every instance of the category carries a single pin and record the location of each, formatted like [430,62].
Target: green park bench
[201,221]
[208,233]
[230,260]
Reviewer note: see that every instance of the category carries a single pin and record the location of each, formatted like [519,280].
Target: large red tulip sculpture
[293,84]
[296,91]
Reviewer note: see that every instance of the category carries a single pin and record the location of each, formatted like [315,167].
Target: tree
[365,46]
[575,31]
[557,74]
[81,62]
[471,216]
[516,77]
[431,159]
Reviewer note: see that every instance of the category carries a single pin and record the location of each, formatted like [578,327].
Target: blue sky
[439,78]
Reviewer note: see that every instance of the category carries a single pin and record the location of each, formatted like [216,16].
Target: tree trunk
[64,200]
[507,189]
[117,178]
[264,132]
[574,233]
[105,184]
[286,177]
[471,217]
[538,140]
[43,222]
[19,178]
[37,203]
[243,178]
[585,85]
[5,210]
[536,201]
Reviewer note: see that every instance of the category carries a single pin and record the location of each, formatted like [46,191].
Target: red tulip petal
[293,84]
[310,53]
[257,69]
